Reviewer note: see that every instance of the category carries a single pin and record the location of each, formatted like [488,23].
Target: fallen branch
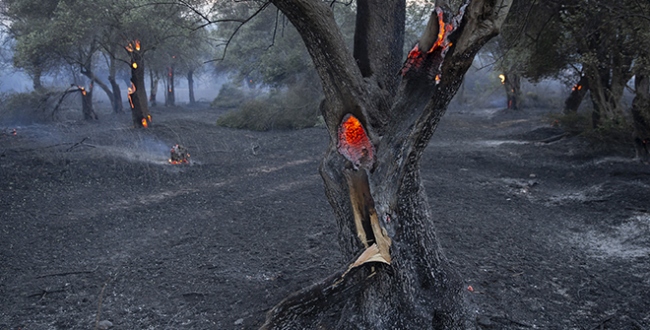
[80,143]
[68,273]
[554,138]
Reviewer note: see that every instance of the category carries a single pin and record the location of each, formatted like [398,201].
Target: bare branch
[232,35]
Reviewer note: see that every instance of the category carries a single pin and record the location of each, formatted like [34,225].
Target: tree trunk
[87,102]
[512,84]
[153,79]
[87,71]
[117,94]
[578,93]
[641,117]
[137,92]
[36,74]
[190,85]
[170,99]
[379,125]
[607,80]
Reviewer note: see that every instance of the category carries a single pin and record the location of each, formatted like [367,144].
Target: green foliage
[293,108]
[26,107]
[230,96]
[610,132]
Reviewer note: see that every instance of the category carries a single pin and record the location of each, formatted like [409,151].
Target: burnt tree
[578,92]
[512,85]
[190,86]
[380,114]
[137,93]
[170,99]
[87,102]
[154,78]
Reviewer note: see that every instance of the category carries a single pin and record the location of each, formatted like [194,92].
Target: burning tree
[136,92]
[380,114]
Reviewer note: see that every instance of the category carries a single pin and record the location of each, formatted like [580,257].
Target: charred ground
[550,236]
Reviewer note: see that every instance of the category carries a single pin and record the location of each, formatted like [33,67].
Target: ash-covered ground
[97,226]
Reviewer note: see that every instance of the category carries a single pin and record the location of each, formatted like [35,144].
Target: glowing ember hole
[134,65]
[503,78]
[354,143]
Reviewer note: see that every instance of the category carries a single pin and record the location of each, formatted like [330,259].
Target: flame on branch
[441,26]
[353,142]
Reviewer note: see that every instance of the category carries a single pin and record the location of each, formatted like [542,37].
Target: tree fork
[371,168]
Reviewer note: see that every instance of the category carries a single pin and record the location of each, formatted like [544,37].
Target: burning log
[179,155]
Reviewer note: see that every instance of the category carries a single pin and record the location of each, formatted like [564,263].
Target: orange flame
[354,143]
[145,124]
[83,90]
[577,87]
[437,79]
[134,65]
[503,78]
[130,91]
[137,45]
[443,30]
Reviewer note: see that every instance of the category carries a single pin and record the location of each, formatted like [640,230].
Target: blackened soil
[95,225]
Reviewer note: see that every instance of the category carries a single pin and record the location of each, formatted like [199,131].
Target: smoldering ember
[368,164]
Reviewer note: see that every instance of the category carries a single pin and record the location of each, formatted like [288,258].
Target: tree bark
[641,117]
[379,126]
[190,86]
[578,92]
[137,92]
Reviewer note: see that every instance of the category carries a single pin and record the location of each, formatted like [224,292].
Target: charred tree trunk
[153,79]
[379,124]
[190,85]
[641,117]
[578,92]
[170,99]
[512,84]
[137,92]
[87,102]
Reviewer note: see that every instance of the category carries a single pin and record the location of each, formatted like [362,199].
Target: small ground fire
[179,155]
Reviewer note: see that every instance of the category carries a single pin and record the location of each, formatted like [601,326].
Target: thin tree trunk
[153,79]
[170,99]
[512,85]
[118,107]
[578,92]
[36,79]
[641,117]
[87,102]
[379,126]
[190,85]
